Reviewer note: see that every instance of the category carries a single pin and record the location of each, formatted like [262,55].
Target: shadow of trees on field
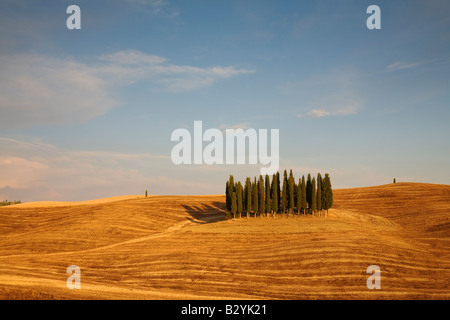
[206,213]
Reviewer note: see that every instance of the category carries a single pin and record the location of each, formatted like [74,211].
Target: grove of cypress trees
[261,195]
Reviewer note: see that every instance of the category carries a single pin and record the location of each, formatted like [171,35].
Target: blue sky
[89,113]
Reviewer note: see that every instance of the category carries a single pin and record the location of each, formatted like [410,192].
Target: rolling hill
[181,247]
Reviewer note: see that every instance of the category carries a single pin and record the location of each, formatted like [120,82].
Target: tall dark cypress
[261,195]
[233,204]
[284,198]
[228,196]
[248,196]
[230,188]
[239,198]
[303,204]
[278,191]
[291,192]
[274,206]
[284,194]
[244,194]
[268,199]
[313,195]
[327,193]
[308,191]
[299,196]
[319,193]
[255,196]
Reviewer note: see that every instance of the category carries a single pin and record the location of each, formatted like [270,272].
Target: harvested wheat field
[181,247]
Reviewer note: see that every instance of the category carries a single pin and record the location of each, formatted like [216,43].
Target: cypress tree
[268,200]
[239,193]
[313,195]
[233,204]
[303,204]
[232,185]
[146,193]
[228,196]
[319,193]
[274,195]
[244,196]
[248,196]
[327,193]
[229,190]
[288,181]
[308,191]
[299,196]
[278,192]
[261,197]
[255,197]
[291,192]
[284,197]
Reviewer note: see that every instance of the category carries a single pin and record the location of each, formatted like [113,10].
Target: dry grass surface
[47,204]
[180,247]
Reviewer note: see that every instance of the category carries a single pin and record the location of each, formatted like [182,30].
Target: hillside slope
[180,247]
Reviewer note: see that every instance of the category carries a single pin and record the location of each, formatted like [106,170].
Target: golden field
[181,247]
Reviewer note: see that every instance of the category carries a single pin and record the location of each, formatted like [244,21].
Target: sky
[89,113]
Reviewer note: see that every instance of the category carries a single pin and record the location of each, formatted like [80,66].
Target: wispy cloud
[37,89]
[401,66]
[335,93]
[343,111]
[32,170]
[242,125]
[156,7]
[41,90]
[132,57]
[132,65]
